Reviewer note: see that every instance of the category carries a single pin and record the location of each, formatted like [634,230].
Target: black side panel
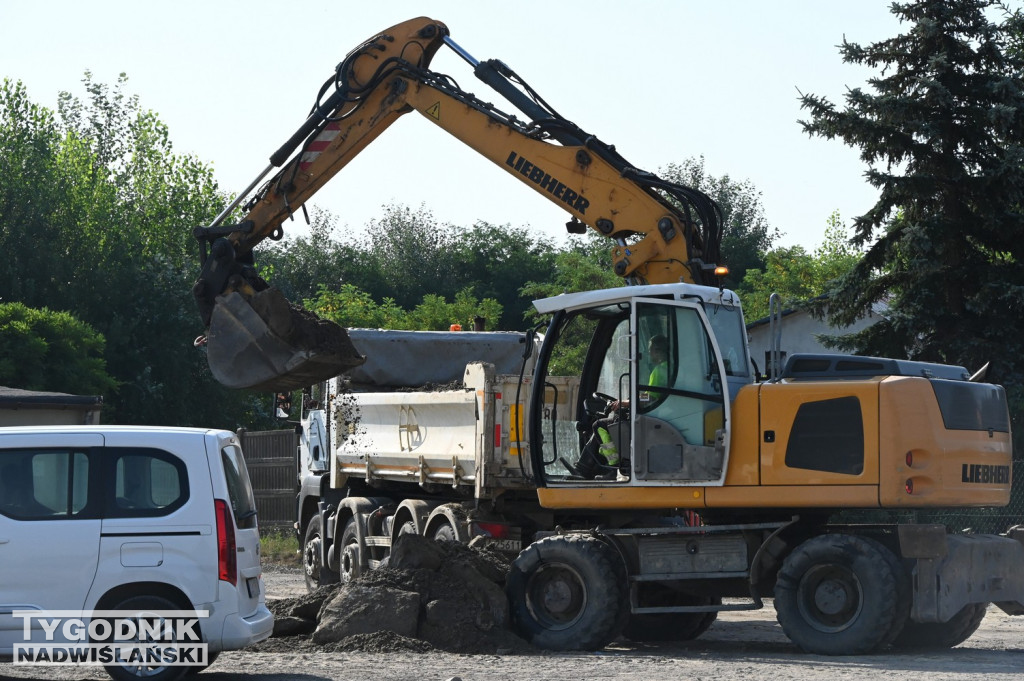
[972,406]
[828,436]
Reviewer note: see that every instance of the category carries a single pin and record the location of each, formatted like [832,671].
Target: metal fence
[956,520]
[270,456]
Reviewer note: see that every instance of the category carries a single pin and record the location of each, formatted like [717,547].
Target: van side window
[44,484]
[147,483]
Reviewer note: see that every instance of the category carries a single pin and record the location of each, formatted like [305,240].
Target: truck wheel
[940,635]
[317,574]
[447,523]
[144,606]
[672,626]
[837,595]
[568,593]
[350,568]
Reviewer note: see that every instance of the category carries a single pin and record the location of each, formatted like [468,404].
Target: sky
[662,80]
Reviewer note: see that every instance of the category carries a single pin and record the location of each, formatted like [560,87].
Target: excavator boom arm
[257,340]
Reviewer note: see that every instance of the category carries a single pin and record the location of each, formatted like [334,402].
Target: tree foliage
[353,307]
[406,255]
[95,219]
[942,132]
[746,233]
[796,275]
[51,351]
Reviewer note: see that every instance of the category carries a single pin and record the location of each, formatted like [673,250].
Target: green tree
[746,233]
[96,214]
[796,275]
[51,351]
[493,261]
[584,264]
[941,132]
[407,255]
[351,307]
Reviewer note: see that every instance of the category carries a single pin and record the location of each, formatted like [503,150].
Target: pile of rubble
[430,596]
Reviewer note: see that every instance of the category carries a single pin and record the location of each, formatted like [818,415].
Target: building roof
[15,398]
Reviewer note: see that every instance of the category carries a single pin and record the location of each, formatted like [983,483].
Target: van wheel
[837,595]
[568,593]
[317,574]
[940,635]
[144,608]
[349,567]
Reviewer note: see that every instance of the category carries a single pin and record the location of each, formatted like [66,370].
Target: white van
[118,518]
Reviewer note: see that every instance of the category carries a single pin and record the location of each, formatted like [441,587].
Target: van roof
[100,428]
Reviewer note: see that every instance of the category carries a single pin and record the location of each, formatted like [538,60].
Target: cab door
[49,526]
[680,406]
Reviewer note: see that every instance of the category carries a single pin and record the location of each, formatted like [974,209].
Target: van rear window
[243,503]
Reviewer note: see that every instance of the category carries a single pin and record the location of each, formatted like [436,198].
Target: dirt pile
[430,595]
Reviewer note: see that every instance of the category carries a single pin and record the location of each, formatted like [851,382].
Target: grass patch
[280,547]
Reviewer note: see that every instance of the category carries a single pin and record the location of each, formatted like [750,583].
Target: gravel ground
[747,645]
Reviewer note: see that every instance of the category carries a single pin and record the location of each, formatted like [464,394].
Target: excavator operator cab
[667,361]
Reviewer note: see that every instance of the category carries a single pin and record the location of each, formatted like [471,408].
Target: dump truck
[647,480]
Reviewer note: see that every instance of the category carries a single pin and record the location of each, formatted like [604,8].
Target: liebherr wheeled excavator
[765,465]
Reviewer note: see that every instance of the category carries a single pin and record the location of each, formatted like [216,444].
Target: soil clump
[429,596]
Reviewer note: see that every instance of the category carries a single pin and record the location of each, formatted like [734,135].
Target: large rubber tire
[349,555]
[904,596]
[941,635]
[447,523]
[672,626]
[145,604]
[837,595]
[568,593]
[316,573]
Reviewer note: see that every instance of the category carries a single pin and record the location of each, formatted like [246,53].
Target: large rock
[357,609]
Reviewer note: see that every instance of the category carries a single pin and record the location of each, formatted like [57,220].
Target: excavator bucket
[267,344]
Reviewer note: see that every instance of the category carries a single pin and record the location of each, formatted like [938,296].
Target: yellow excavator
[256,339]
[766,465]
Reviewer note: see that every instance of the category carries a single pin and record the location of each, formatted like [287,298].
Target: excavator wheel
[940,635]
[267,344]
[568,593]
[837,595]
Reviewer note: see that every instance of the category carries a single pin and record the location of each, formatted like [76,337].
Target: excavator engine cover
[267,344]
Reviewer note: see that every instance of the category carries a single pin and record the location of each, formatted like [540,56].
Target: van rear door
[238,516]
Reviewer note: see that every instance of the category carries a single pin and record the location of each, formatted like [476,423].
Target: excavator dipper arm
[663,232]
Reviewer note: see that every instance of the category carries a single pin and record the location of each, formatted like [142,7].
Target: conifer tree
[941,131]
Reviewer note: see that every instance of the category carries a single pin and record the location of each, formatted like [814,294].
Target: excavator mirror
[282,405]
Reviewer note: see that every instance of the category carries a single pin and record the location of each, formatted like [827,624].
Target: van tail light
[227,557]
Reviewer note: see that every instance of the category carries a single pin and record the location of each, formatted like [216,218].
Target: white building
[30,408]
[800,333]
